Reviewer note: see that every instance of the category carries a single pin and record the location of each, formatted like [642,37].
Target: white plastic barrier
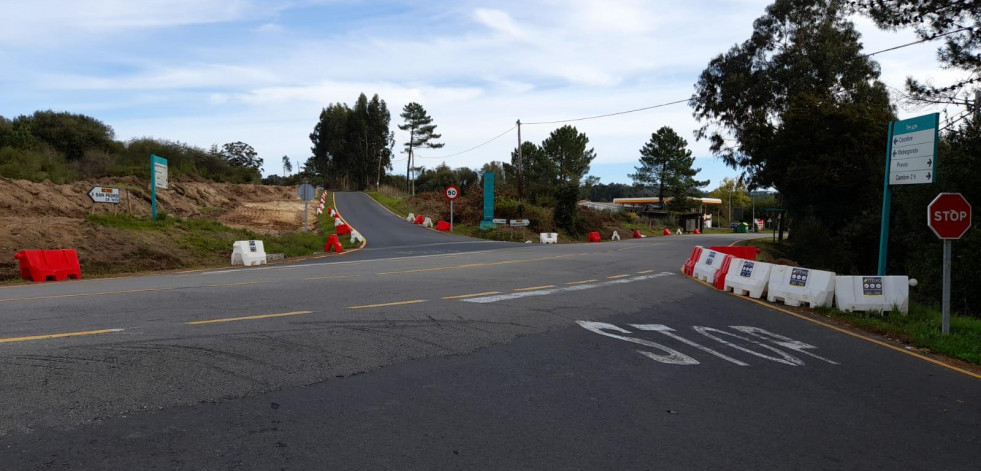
[872,293]
[356,236]
[748,277]
[332,212]
[680,232]
[319,211]
[337,221]
[248,253]
[794,286]
[708,263]
[411,217]
[549,237]
[428,222]
[615,236]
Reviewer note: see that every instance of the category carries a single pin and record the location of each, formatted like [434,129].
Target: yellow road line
[848,332]
[219,285]
[645,272]
[471,295]
[397,303]
[581,282]
[534,288]
[247,318]
[80,295]
[616,276]
[334,277]
[55,336]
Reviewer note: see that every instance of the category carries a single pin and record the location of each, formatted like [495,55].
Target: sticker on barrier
[747,277]
[872,293]
[796,286]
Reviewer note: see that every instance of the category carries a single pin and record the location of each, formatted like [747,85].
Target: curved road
[390,236]
[574,356]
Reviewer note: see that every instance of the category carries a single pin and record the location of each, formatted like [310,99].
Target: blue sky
[214,71]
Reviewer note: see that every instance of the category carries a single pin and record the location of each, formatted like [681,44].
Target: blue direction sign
[913,150]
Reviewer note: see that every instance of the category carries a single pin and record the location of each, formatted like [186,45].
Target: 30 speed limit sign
[452,192]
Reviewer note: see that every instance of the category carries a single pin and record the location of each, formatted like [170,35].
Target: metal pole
[451,215]
[886,202]
[945,322]
[521,178]
[305,203]
[153,188]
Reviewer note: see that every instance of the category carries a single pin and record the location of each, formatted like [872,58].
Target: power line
[931,38]
[472,148]
[609,114]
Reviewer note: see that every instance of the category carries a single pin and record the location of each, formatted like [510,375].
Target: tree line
[64,147]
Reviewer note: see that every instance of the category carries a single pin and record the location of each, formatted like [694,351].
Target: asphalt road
[585,356]
[390,236]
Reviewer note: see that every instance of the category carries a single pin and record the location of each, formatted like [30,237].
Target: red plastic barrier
[720,275]
[333,243]
[667,232]
[594,237]
[42,265]
[419,220]
[747,253]
[637,234]
[343,229]
[689,267]
[697,231]
[443,226]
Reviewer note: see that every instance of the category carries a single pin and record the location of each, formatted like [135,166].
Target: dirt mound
[47,216]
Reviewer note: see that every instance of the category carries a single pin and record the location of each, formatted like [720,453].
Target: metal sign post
[452,193]
[911,159]
[306,192]
[949,217]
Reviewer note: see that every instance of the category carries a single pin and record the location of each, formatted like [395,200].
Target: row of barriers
[423,221]
[736,270]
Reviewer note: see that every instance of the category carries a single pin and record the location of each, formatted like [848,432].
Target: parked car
[733,225]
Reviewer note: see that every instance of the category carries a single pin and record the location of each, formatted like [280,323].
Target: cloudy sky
[215,71]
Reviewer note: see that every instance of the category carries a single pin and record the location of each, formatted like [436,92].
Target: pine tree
[421,134]
[666,165]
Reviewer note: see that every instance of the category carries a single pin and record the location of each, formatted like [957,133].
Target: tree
[352,146]
[666,165]
[565,149]
[240,154]
[732,192]
[329,138]
[287,166]
[422,133]
[957,21]
[70,134]
[798,107]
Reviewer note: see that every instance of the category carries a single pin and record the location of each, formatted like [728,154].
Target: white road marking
[786,360]
[670,333]
[785,342]
[545,292]
[671,356]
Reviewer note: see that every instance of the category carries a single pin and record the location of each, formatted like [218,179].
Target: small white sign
[160,174]
[101,194]
[499,221]
[519,222]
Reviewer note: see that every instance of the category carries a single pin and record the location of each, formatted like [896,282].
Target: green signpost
[911,159]
[487,223]
[158,179]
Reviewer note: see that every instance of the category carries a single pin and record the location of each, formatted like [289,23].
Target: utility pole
[521,177]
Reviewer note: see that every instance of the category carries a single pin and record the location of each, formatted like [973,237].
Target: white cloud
[499,21]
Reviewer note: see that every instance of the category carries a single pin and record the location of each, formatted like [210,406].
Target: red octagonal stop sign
[949,215]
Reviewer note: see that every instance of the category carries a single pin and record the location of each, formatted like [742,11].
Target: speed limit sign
[452,192]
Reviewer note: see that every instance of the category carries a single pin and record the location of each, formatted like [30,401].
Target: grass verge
[920,329]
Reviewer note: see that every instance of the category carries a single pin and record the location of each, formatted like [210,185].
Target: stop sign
[949,215]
